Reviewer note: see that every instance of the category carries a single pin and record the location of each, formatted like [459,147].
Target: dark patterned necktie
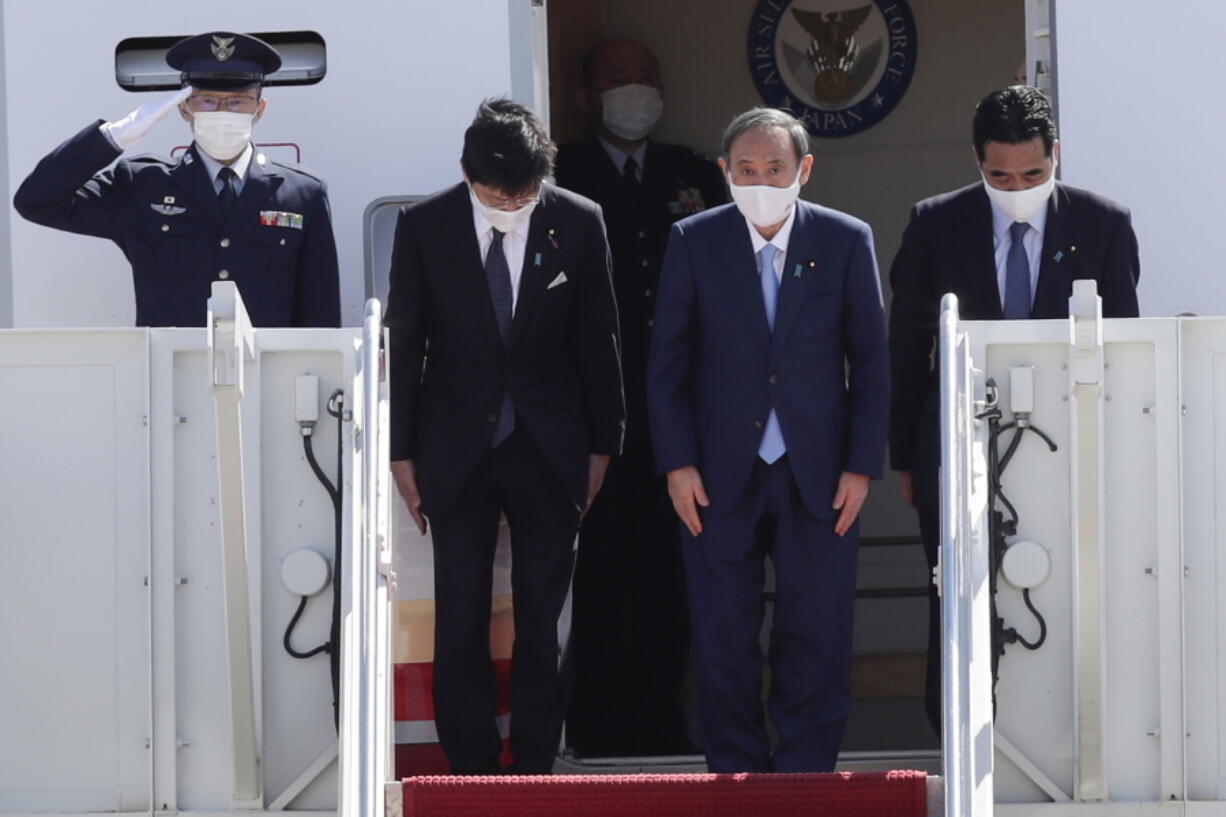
[1017,274]
[228,194]
[498,276]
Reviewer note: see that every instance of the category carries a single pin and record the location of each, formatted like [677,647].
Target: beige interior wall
[966,48]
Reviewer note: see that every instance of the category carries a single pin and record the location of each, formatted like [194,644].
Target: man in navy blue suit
[768,395]
[222,211]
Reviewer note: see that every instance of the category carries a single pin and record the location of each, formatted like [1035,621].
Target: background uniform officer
[630,633]
[223,211]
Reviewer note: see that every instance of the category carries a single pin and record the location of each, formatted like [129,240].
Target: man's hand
[406,481]
[853,489]
[597,464]
[906,487]
[128,131]
[686,491]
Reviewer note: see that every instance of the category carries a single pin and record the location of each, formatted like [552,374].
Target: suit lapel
[192,177]
[802,248]
[978,253]
[1055,265]
[543,234]
[462,237]
[742,266]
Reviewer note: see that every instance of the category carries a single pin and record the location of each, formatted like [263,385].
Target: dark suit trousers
[514,479]
[810,645]
[631,630]
[926,486]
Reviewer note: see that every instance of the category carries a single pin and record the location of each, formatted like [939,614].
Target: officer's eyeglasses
[207,103]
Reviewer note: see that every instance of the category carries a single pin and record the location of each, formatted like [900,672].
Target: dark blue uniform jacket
[276,244]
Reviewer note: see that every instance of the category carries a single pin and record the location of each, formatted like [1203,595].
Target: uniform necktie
[630,172]
[1017,274]
[772,446]
[228,194]
[498,276]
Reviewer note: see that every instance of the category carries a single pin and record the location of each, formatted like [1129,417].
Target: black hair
[506,148]
[1013,115]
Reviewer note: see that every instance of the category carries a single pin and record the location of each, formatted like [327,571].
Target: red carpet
[888,794]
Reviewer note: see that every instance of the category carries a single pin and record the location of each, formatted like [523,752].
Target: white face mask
[763,204]
[222,134]
[504,221]
[631,111]
[1021,205]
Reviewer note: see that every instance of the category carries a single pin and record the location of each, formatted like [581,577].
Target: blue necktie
[1017,275]
[498,276]
[772,447]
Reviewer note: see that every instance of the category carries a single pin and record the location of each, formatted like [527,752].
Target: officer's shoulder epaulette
[298,169]
[144,160]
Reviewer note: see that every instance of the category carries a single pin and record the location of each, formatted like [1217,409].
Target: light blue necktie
[1017,274]
[772,447]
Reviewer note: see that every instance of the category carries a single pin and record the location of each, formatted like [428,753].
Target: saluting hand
[686,491]
[128,131]
[406,481]
[850,496]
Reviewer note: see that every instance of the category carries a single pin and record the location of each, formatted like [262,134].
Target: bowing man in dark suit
[222,211]
[506,399]
[767,391]
[1009,247]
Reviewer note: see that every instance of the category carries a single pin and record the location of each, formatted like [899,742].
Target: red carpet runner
[887,794]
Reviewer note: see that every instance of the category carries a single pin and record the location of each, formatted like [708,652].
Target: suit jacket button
[165,228]
[491,418]
[225,242]
[758,423]
[224,274]
[774,378]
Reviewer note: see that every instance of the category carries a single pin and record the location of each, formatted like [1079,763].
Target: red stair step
[841,794]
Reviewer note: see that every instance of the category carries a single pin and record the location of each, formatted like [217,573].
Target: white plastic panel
[73,602]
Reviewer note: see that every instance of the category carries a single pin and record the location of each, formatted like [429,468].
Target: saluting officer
[630,636]
[223,211]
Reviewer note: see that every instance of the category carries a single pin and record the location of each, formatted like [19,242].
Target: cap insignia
[222,48]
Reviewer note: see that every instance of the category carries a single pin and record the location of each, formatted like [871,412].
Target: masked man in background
[223,211]
[631,634]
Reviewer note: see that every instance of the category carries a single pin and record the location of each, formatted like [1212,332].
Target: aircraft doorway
[922,147]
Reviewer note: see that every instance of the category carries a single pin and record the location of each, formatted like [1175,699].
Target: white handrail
[365,654]
[967,738]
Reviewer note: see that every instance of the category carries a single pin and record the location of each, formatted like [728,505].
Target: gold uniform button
[647,292]
[758,423]
[283,242]
[224,274]
[642,233]
[165,228]
[646,262]
[225,242]
[774,378]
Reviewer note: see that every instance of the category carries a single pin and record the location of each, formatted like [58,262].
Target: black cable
[1037,617]
[335,407]
[289,631]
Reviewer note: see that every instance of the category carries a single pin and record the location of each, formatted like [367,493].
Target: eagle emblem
[222,48]
[833,51]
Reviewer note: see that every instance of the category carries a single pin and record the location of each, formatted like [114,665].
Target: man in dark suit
[630,629]
[222,211]
[767,390]
[1009,248]
[506,399]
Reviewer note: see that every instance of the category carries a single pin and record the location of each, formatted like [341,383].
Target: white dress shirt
[620,156]
[239,166]
[780,241]
[1032,241]
[514,244]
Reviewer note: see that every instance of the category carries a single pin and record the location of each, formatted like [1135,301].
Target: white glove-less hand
[128,131]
